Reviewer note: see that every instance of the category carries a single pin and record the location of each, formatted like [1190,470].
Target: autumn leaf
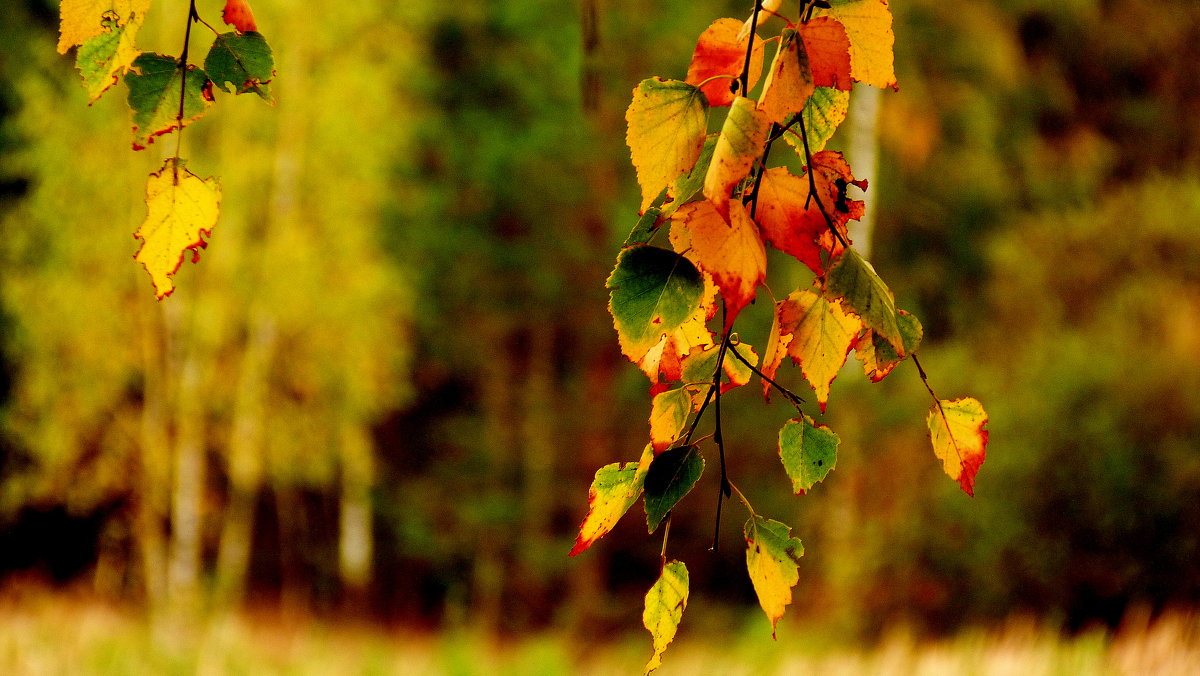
[808,452]
[664,607]
[766,9]
[83,20]
[614,490]
[817,334]
[878,357]
[740,144]
[243,60]
[181,210]
[667,356]
[720,52]
[957,430]
[102,59]
[154,84]
[828,49]
[671,476]
[237,14]
[772,555]
[869,26]
[645,227]
[667,122]
[669,411]
[732,252]
[789,81]
[854,281]
[823,114]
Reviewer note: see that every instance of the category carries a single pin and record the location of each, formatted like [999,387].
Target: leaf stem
[791,396]
[192,17]
[745,502]
[666,531]
[750,49]
[812,189]
[718,438]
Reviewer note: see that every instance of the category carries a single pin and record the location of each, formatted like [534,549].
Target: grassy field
[55,635]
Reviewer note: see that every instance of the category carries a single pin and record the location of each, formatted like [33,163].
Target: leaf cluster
[710,208]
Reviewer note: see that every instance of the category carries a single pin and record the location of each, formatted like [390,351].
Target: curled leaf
[237,14]
[740,144]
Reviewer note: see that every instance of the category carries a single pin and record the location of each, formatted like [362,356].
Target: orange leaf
[719,52]
[956,428]
[828,49]
[740,144]
[237,14]
[732,252]
[821,335]
[789,82]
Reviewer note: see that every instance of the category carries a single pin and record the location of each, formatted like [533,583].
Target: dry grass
[52,635]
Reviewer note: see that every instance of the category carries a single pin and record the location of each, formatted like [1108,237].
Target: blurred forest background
[384,389]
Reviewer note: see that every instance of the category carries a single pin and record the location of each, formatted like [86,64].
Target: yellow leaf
[613,491]
[956,428]
[665,603]
[102,59]
[83,20]
[821,335]
[869,26]
[741,142]
[181,210]
[732,252]
[789,82]
[667,123]
[668,412]
[772,555]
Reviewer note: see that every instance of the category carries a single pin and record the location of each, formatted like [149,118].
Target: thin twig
[791,396]
[183,69]
[812,190]
[750,50]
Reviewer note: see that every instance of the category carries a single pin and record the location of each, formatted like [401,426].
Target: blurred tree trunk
[155,474]
[862,153]
[355,522]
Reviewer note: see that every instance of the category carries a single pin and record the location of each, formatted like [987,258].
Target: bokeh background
[359,436]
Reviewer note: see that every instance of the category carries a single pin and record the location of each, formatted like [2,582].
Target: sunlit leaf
[772,556]
[789,82]
[720,52]
[102,59]
[668,412]
[732,252]
[614,490]
[243,60]
[667,120]
[154,85]
[740,144]
[690,186]
[828,50]
[664,607]
[237,14]
[869,26]
[700,365]
[652,293]
[671,476]
[853,280]
[819,335]
[957,428]
[878,357]
[82,20]
[181,210]
[808,452]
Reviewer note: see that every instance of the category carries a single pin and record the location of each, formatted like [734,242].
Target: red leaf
[719,52]
[237,14]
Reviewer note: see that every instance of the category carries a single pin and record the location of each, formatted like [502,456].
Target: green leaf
[614,490]
[154,82]
[772,555]
[855,281]
[664,607]
[241,59]
[102,59]
[698,367]
[808,452]
[652,293]
[672,475]
[645,228]
[667,122]
[824,112]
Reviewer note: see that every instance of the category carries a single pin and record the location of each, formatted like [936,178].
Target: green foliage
[243,60]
